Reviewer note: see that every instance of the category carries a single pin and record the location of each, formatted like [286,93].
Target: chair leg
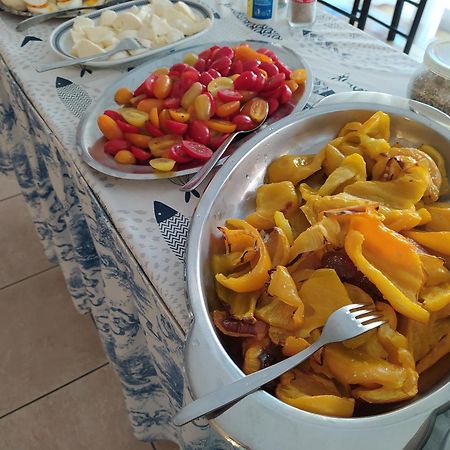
[395,19]
[364,13]
[415,25]
[354,12]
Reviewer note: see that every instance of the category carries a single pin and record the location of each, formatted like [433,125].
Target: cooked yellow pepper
[278,314]
[278,247]
[256,277]
[436,297]
[270,198]
[438,241]
[281,222]
[313,393]
[283,287]
[242,304]
[333,159]
[440,217]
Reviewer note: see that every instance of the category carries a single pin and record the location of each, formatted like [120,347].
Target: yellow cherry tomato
[134,116]
[162,164]
[222,126]
[179,115]
[190,59]
[219,84]
[154,116]
[298,75]
[162,86]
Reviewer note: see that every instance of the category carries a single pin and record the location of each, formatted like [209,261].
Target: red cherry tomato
[174,127]
[199,132]
[177,89]
[205,54]
[172,103]
[260,81]
[243,122]
[283,68]
[113,114]
[139,154]
[114,145]
[274,93]
[274,104]
[205,78]
[245,81]
[200,64]
[251,64]
[154,131]
[214,73]
[126,127]
[274,82]
[178,68]
[236,67]
[196,150]
[285,94]
[178,154]
[222,65]
[189,77]
[227,95]
[218,140]
[147,86]
[224,51]
[271,69]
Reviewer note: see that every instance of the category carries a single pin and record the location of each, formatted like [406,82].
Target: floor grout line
[10,197]
[153,446]
[54,390]
[28,277]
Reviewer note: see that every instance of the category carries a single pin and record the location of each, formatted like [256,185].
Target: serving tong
[344,323]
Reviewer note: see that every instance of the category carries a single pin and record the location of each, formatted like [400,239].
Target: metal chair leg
[414,26]
[354,12]
[364,13]
[395,19]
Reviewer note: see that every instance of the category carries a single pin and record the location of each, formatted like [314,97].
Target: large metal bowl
[260,421]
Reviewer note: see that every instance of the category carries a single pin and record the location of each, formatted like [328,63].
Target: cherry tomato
[154,116]
[162,86]
[134,116]
[189,77]
[126,127]
[154,131]
[219,84]
[217,140]
[125,157]
[224,51]
[179,115]
[190,59]
[114,145]
[274,93]
[123,96]
[237,67]
[260,81]
[228,109]
[274,82]
[174,127]
[222,65]
[271,69]
[243,122]
[228,95]
[204,106]
[283,68]
[205,78]
[251,64]
[205,54]
[162,164]
[163,116]
[139,154]
[200,64]
[135,100]
[293,85]
[147,104]
[285,94]
[248,95]
[214,73]
[138,140]
[196,150]
[113,114]
[172,103]
[259,109]
[298,75]
[274,104]
[160,146]
[221,126]
[178,154]
[146,87]
[178,68]
[199,132]
[190,95]
[109,127]
[246,81]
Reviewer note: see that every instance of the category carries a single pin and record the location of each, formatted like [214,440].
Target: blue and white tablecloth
[120,243]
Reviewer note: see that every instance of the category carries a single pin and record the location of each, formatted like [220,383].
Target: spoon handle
[208,166]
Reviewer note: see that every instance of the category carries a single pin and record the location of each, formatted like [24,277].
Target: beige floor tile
[44,342]
[165,445]
[8,186]
[21,252]
[88,414]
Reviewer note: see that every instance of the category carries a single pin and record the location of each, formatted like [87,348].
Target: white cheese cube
[87,48]
[99,34]
[82,22]
[76,35]
[127,21]
[186,10]
[107,18]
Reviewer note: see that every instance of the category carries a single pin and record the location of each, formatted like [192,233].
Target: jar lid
[437,58]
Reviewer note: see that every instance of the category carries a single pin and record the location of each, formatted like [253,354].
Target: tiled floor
[57,390]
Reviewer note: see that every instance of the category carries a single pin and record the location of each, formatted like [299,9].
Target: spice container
[302,12]
[430,84]
[261,11]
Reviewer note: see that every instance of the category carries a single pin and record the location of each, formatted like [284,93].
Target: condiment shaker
[430,83]
[261,11]
[301,12]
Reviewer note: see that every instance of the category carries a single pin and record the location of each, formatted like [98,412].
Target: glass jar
[430,83]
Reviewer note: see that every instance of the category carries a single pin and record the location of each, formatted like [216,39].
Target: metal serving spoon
[125,44]
[211,163]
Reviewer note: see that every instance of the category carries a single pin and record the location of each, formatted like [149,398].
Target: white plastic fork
[345,323]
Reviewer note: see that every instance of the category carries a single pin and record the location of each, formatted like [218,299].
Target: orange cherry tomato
[293,85]
[147,104]
[222,126]
[154,117]
[123,96]
[298,75]
[227,109]
[162,86]
[179,115]
[159,146]
[163,116]
[109,127]
[245,53]
[138,140]
[258,110]
[125,157]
